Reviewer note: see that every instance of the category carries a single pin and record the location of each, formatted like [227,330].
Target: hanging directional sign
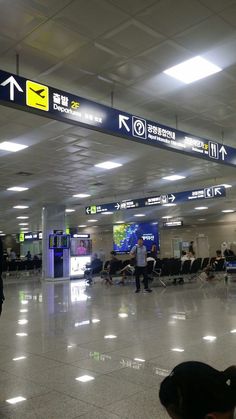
[165,199]
[54,103]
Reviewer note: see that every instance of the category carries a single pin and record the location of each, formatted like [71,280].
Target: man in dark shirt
[1,282]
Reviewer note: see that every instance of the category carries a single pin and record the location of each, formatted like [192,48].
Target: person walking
[139,252]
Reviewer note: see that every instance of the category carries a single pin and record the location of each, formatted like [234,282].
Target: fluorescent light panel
[110,337]
[22,217]
[139,215]
[92,221]
[108,165]
[192,70]
[21,206]
[15,400]
[200,208]
[85,378]
[23,224]
[228,211]
[17,189]
[82,226]
[70,210]
[173,177]
[81,195]
[14,147]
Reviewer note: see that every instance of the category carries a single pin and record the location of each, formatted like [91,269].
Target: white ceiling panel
[169,17]
[92,18]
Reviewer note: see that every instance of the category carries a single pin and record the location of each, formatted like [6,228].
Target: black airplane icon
[38,92]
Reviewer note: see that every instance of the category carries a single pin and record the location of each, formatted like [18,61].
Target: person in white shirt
[139,252]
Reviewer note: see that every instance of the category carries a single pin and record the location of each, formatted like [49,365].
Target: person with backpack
[139,252]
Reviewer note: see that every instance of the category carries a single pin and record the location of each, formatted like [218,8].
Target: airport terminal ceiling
[58,47]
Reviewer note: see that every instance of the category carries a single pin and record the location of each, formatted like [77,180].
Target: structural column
[53,219]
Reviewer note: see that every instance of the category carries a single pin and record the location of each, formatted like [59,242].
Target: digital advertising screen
[125,236]
[80,247]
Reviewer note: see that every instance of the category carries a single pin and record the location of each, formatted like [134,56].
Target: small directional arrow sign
[223,152]
[217,191]
[88,210]
[117,206]
[13,84]
[122,122]
[172,198]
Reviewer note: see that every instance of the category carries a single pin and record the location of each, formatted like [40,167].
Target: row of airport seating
[173,269]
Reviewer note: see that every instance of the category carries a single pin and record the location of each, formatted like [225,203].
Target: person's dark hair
[183,253]
[113,253]
[194,389]
[218,252]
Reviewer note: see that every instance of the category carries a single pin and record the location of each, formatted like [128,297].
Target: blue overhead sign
[54,103]
[164,199]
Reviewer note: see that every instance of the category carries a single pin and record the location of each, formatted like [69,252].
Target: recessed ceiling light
[209,338]
[21,206]
[85,378]
[92,221]
[201,219]
[139,359]
[174,177]
[81,195]
[107,213]
[15,400]
[22,321]
[21,334]
[82,226]
[110,337]
[200,208]
[167,216]
[19,358]
[70,210]
[2,234]
[14,147]
[229,210]
[169,205]
[108,165]
[17,189]
[24,302]
[95,321]
[23,224]
[123,315]
[22,217]
[233,331]
[139,215]
[177,350]
[192,70]
[120,222]
[24,228]
[24,310]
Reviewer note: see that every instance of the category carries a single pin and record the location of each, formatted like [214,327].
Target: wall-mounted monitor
[80,246]
[125,236]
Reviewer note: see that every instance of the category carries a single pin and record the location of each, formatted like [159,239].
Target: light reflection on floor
[68,350]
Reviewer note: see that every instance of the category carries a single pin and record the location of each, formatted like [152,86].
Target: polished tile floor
[101,353]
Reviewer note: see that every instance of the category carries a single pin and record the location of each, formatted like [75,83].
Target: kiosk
[80,254]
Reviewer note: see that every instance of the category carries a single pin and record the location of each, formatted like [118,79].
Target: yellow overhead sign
[37,95]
